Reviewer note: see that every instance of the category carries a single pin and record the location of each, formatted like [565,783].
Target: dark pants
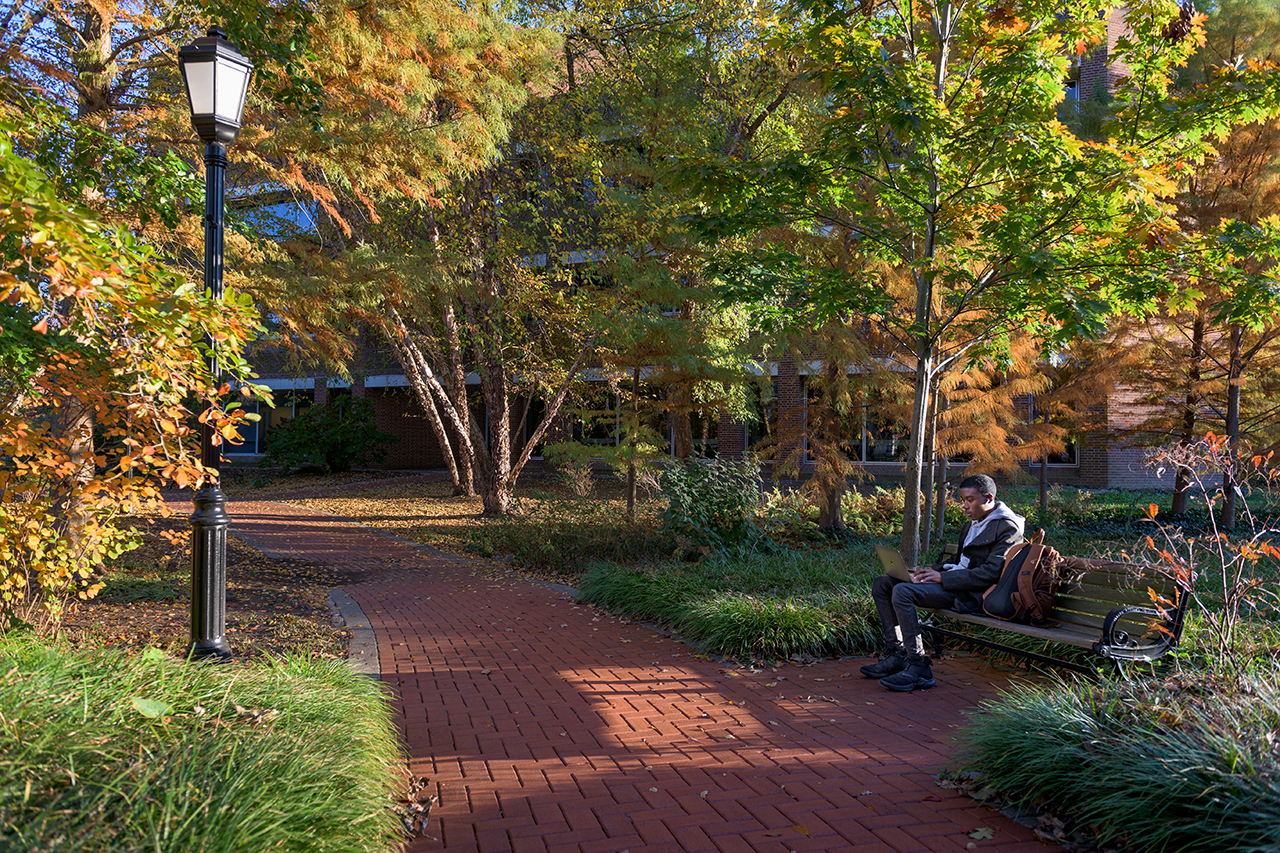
[896,602]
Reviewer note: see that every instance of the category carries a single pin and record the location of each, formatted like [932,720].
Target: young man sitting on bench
[991,530]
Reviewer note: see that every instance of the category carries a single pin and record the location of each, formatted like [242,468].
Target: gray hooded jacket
[981,556]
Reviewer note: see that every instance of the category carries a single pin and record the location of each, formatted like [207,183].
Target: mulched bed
[274,607]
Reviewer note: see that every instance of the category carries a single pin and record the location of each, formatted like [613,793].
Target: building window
[706,435]
[535,412]
[1069,456]
[249,431]
[881,443]
[595,419]
[1071,96]
[288,405]
[762,431]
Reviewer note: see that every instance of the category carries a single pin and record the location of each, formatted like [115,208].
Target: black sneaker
[916,674]
[893,660]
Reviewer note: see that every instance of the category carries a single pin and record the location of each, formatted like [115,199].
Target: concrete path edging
[363,651]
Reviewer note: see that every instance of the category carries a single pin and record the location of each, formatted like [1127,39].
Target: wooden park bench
[1101,605]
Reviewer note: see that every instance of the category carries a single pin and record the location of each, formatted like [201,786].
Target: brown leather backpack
[1025,590]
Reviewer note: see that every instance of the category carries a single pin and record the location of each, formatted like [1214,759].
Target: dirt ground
[277,607]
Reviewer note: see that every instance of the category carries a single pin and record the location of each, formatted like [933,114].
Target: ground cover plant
[757,607]
[1184,763]
[107,751]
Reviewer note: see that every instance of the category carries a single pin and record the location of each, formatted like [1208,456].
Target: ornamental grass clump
[104,752]
[1179,764]
[762,606]
[763,627]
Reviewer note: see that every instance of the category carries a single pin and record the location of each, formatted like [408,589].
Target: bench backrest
[1091,589]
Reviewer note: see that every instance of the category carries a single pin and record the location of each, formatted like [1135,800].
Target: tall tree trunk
[940,505]
[832,478]
[1230,476]
[456,385]
[74,419]
[680,403]
[925,346]
[1191,407]
[931,442]
[414,364]
[634,440]
[1044,486]
[915,453]
[497,486]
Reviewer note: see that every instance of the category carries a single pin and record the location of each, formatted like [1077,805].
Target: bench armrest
[1118,644]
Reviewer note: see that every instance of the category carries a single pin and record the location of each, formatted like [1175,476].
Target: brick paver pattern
[548,725]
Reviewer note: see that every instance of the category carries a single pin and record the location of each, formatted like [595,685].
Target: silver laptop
[893,565]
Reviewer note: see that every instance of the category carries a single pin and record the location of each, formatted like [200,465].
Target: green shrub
[114,754]
[712,504]
[1178,764]
[764,606]
[878,513]
[559,534]
[335,437]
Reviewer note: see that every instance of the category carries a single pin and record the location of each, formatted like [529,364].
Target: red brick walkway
[548,725]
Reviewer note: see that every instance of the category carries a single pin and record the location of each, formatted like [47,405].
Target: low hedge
[760,607]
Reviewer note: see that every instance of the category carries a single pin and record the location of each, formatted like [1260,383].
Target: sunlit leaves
[80,307]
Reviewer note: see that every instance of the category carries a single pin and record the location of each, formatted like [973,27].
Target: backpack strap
[1026,590]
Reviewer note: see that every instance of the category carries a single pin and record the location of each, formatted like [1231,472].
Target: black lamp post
[216,76]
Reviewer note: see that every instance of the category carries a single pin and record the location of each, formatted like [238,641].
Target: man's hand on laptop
[924,574]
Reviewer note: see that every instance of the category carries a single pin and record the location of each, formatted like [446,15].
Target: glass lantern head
[216,76]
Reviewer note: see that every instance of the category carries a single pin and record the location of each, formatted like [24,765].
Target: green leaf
[151,707]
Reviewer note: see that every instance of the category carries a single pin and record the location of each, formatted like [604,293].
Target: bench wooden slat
[1111,567]
[1089,606]
[1128,595]
[1100,587]
[1072,635]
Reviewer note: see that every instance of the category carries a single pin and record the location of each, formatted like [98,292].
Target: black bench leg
[935,640]
[1123,669]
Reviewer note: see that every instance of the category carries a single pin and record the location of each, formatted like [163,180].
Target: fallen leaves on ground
[274,607]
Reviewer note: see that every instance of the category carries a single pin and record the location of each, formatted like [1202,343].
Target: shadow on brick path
[547,725]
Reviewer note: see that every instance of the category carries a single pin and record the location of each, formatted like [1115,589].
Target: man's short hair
[980,482]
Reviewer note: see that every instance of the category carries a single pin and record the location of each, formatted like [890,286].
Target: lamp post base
[209,525]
